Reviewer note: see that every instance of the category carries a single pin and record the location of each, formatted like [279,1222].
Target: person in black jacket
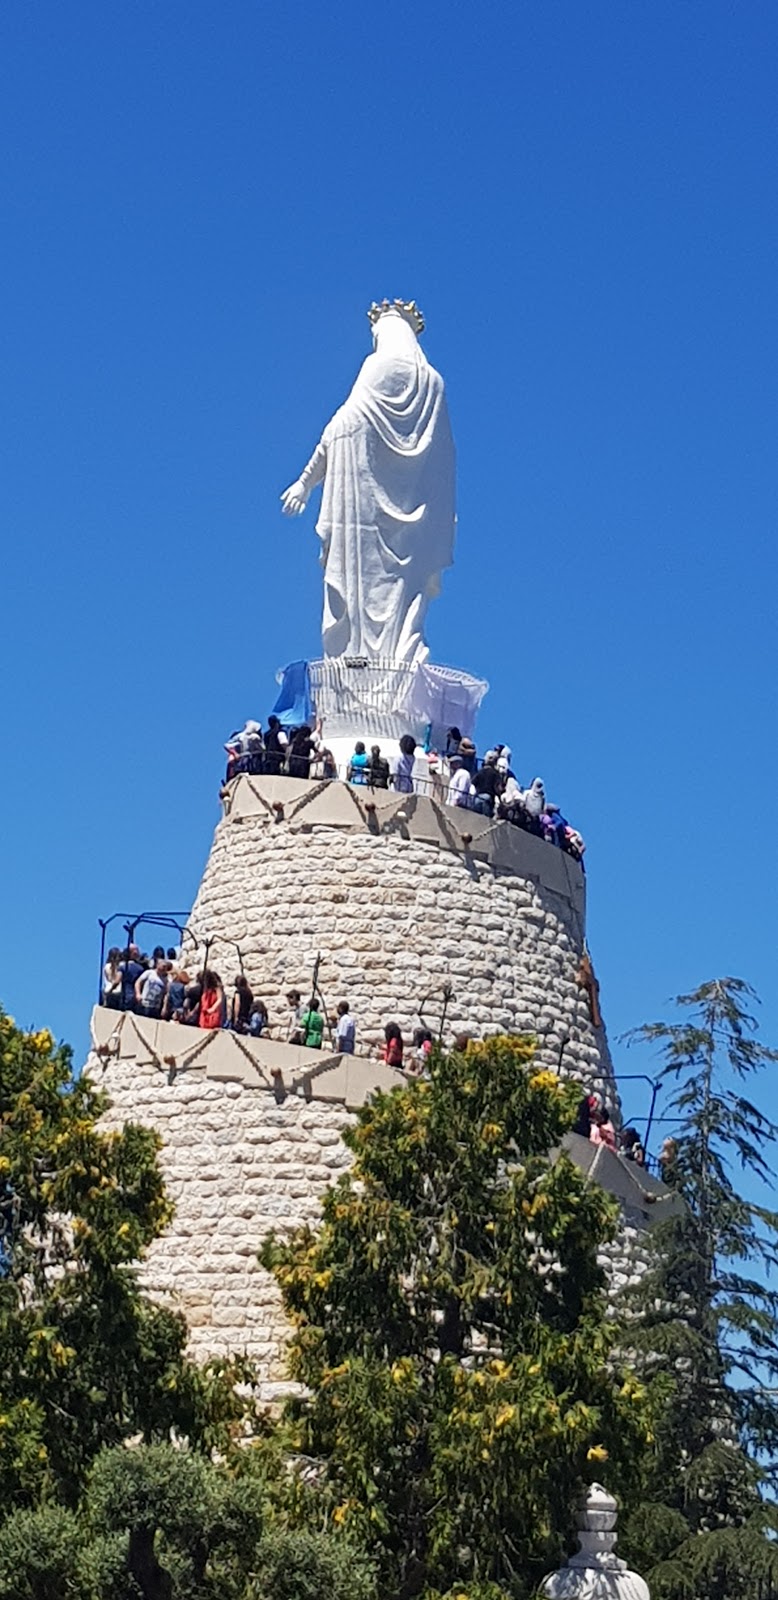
[487,783]
[276,744]
[377,769]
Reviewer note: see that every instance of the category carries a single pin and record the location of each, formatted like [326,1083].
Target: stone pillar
[595,1572]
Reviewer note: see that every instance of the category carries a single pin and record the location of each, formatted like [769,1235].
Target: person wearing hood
[511,799]
[535,798]
[244,747]
[553,825]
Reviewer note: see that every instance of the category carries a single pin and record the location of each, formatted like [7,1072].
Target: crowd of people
[455,776]
[298,754]
[159,987]
[594,1122]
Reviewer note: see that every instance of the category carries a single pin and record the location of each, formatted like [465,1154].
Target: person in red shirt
[213,1007]
[393,1048]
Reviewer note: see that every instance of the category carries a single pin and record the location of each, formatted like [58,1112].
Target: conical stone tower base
[401,895]
[402,898]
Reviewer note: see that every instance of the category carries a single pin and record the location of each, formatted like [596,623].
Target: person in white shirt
[345,1030]
[460,788]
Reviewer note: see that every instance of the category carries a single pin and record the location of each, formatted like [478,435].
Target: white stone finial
[595,1571]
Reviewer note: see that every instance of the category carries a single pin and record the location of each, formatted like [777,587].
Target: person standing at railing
[345,1030]
[358,765]
[296,1010]
[632,1147]
[312,1026]
[403,766]
[378,769]
[276,745]
[240,1005]
[323,764]
[418,1066]
[487,785]
[175,999]
[393,1045]
[151,988]
[192,1000]
[258,1019]
[602,1130]
[112,980]
[300,751]
[213,1006]
[460,788]
[131,969]
[469,756]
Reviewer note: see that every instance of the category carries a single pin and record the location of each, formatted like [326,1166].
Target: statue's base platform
[382,700]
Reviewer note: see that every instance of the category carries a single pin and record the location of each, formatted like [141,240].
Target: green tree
[86,1360]
[451,1332]
[160,1523]
[704,1319]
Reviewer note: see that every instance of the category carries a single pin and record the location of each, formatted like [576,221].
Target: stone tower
[413,910]
[405,900]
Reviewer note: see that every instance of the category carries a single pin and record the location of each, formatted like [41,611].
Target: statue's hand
[294,499]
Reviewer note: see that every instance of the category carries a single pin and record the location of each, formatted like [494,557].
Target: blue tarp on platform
[294,705]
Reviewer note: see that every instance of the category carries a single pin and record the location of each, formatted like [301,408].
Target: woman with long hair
[213,1006]
[300,752]
[240,1005]
[112,980]
[393,1046]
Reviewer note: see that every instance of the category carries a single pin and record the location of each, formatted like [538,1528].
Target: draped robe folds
[387,514]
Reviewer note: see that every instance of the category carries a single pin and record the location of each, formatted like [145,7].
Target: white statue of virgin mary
[387,512]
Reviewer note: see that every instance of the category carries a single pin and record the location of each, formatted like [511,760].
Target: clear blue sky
[199,202]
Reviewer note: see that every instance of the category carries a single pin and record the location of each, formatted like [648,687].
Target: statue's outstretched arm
[295,498]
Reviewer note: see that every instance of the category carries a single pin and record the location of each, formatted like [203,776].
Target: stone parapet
[225,1057]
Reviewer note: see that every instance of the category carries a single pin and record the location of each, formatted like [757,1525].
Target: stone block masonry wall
[237,1164]
[395,918]
[629,1255]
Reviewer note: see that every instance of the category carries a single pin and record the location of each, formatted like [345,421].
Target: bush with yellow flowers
[86,1360]
[451,1333]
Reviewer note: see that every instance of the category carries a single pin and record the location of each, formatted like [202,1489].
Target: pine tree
[704,1319]
[86,1359]
[451,1333]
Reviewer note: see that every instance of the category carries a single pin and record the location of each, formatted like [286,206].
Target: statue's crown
[406,308]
